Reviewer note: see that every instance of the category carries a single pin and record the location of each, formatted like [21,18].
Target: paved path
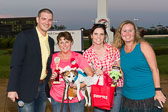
[12,107]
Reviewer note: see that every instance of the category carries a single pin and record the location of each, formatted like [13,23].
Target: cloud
[7,16]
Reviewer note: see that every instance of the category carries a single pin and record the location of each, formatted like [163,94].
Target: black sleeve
[17,61]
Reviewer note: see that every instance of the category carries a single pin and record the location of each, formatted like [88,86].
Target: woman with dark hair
[102,57]
[65,56]
[141,75]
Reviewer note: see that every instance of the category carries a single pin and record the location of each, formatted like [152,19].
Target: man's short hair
[45,10]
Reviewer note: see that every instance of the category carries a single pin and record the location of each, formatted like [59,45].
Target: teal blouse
[138,79]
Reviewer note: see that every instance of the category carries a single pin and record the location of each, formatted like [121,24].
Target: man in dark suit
[30,65]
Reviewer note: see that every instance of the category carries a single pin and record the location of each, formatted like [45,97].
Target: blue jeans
[116,102]
[74,107]
[39,103]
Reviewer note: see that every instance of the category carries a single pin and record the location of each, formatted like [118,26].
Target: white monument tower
[102,18]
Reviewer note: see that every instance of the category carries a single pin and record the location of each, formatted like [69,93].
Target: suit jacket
[26,65]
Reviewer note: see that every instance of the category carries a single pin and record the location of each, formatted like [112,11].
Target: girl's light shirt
[111,57]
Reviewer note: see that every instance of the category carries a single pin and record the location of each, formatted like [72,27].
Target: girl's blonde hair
[118,42]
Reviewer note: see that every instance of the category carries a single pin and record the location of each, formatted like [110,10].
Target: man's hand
[13,95]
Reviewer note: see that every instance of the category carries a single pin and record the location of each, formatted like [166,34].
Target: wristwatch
[158,89]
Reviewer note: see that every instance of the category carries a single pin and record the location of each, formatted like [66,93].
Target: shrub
[7,42]
[4,43]
[11,42]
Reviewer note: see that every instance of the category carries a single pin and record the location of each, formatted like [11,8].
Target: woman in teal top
[141,75]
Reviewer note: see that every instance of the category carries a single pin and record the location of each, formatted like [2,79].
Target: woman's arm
[151,59]
[88,71]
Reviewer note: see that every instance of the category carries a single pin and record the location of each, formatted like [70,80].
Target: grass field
[155,42]
[158,42]
[4,63]
[162,64]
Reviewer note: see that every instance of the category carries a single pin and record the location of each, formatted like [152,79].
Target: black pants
[146,105]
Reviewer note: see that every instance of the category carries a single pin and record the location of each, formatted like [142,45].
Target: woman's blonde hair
[118,42]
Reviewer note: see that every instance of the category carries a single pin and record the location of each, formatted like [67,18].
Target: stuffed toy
[115,75]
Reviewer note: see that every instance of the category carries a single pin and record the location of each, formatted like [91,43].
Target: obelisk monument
[103,19]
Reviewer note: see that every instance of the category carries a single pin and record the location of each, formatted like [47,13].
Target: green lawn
[4,63]
[162,64]
[156,42]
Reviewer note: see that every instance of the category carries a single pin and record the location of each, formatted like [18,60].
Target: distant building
[160,27]
[10,27]
[166,28]
[153,28]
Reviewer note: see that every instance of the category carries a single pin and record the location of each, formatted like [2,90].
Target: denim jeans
[74,107]
[39,103]
[116,102]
